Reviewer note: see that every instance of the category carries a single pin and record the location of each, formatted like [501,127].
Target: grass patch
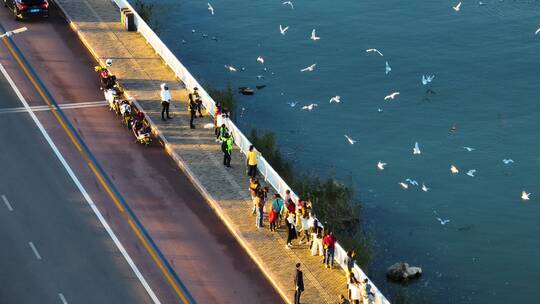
[147,11]
[225,97]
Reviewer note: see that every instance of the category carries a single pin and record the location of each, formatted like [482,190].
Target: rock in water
[402,272]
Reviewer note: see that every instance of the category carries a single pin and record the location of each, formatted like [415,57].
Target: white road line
[34,249]
[82,190]
[62,298]
[78,105]
[8,205]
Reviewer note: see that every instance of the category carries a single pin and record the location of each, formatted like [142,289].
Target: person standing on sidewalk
[258,205]
[166,98]
[198,100]
[227,147]
[298,284]
[329,243]
[191,108]
[291,230]
[251,162]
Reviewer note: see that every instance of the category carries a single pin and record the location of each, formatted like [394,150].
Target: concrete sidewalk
[140,71]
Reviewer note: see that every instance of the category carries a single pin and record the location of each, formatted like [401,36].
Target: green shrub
[148,13]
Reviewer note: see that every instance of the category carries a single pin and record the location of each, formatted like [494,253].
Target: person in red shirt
[329,242]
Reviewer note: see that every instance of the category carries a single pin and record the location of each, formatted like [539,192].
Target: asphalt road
[52,243]
[207,258]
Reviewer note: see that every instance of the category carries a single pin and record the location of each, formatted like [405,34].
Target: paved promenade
[140,71]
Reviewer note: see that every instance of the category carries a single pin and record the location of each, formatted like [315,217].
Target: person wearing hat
[165,95]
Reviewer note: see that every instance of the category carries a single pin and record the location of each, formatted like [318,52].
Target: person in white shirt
[354,291]
[166,98]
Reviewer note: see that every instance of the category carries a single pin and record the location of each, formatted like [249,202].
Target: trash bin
[128,19]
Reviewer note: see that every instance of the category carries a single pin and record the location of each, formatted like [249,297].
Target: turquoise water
[485,59]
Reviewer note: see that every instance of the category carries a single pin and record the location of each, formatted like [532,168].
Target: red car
[28,8]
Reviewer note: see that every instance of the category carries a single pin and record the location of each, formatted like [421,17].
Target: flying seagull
[283,30]
[427,79]
[309,107]
[471,172]
[309,68]
[416,149]
[525,196]
[454,169]
[391,96]
[230,68]
[443,222]
[457,8]
[412,182]
[387,69]
[469,149]
[424,188]
[374,50]
[211,9]
[381,165]
[289,3]
[350,140]
[335,99]
[314,36]
[508,161]
[260,59]
[537,32]
[403,185]
[292,104]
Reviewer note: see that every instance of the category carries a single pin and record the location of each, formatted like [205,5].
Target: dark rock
[402,272]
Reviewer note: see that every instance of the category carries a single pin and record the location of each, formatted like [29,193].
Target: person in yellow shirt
[251,161]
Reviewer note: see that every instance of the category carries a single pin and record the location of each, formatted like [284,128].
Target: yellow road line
[98,175]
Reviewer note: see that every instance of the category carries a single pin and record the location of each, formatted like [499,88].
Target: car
[28,8]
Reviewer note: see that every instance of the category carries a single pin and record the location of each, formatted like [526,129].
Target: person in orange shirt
[251,161]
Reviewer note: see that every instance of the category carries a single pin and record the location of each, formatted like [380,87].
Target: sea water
[486,61]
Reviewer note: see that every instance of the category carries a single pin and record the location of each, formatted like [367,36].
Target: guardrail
[270,175]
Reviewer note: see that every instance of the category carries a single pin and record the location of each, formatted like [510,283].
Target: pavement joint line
[81,105]
[81,188]
[8,205]
[62,298]
[34,249]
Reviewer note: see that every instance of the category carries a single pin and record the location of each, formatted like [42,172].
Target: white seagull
[424,188]
[537,32]
[381,165]
[314,36]
[391,96]
[289,3]
[508,161]
[335,99]
[416,149]
[309,68]
[443,222]
[283,30]
[351,141]
[374,50]
[427,79]
[230,68]
[471,172]
[457,8]
[292,104]
[403,185]
[211,9]
[387,69]
[309,107]
[469,149]
[525,196]
[454,169]
[412,182]
[260,59]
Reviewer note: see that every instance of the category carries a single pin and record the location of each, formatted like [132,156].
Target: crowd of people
[298,218]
